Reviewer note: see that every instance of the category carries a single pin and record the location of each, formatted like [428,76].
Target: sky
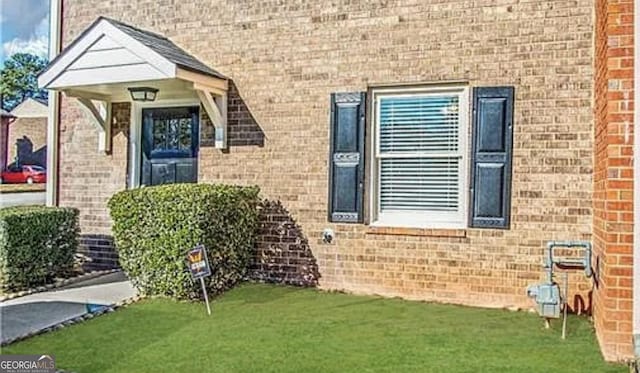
[24,27]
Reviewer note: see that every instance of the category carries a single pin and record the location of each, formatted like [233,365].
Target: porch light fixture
[143,93]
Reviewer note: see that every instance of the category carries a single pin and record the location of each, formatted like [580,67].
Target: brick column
[613,178]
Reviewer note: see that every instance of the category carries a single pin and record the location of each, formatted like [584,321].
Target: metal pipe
[548,262]
[566,298]
[585,262]
[588,271]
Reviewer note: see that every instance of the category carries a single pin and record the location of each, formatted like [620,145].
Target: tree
[19,79]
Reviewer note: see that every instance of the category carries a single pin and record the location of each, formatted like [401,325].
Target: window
[419,166]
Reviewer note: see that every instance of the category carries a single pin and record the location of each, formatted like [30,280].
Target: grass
[22,188]
[264,328]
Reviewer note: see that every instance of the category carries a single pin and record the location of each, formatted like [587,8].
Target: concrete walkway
[35,312]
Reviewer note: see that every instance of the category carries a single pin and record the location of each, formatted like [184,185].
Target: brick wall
[286,58]
[613,173]
[99,252]
[283,253]
[28,138]
[88,178]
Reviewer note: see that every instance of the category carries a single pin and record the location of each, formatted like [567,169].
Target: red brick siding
[613,177]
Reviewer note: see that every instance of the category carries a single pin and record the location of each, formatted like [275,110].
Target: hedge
[37,244]
[154,227]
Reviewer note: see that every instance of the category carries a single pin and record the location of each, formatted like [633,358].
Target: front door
[169,145]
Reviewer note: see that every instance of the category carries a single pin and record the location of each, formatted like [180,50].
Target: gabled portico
[111,57]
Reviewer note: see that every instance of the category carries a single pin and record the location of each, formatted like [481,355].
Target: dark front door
[169,145]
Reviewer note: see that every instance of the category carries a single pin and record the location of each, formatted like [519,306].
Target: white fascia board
[69,55]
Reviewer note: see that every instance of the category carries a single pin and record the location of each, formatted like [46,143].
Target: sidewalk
[38,311]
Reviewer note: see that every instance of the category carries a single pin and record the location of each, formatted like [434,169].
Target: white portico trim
[53,118]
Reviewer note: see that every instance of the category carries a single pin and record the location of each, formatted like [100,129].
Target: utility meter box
[547,297]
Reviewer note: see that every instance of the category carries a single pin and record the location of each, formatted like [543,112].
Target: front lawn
[264,328]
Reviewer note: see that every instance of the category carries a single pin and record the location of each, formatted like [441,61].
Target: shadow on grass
[362,302]
[267,294]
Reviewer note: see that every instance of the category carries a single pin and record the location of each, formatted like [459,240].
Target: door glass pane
[184,139]
[159,134]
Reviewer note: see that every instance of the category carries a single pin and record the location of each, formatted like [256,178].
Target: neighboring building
[5,119]
[443,142]
[27,135]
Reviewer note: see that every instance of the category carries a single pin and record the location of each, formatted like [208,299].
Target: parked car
[24,174]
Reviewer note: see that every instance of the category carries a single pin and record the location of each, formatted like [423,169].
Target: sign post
[206,297]
[198,264]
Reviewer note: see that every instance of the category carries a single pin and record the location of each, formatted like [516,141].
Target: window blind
[419,124]
[419,153]
[419,184]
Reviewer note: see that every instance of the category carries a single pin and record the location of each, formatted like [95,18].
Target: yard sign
[198,264]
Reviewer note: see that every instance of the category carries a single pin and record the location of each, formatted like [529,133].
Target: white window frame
[418,219]
[135,145]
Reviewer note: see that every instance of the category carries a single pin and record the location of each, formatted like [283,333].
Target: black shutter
[346,163]
[491,157]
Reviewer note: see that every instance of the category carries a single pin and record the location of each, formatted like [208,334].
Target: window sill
[425,232]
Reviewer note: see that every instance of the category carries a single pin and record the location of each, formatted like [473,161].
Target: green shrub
[154,227]
[37,243]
